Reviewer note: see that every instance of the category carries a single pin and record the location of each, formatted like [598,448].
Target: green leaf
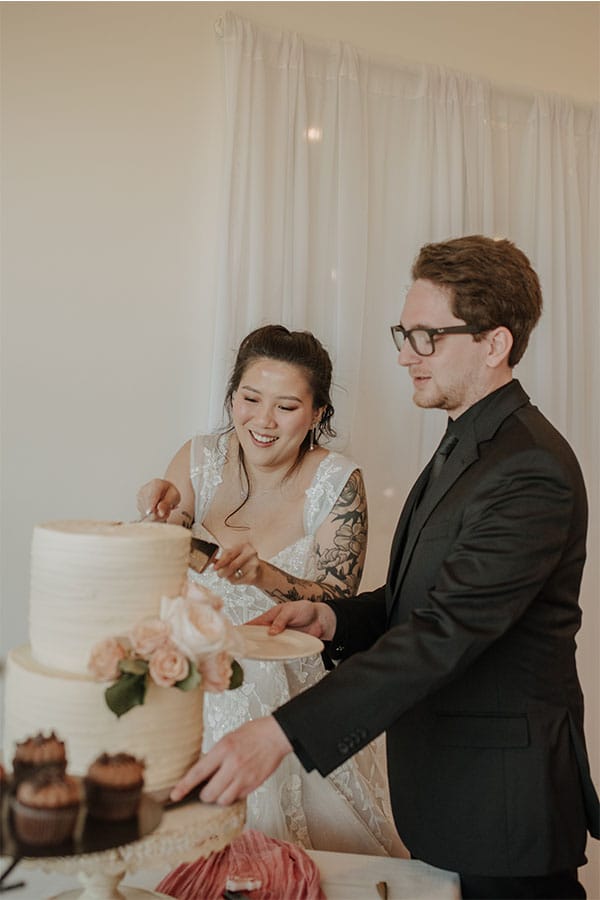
[237,675]
[133,666]
[192,679]
[128,691]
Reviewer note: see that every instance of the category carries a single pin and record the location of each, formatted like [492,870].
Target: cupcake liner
[112,804]
[43,827]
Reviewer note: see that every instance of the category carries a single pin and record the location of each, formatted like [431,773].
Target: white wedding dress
[346,812]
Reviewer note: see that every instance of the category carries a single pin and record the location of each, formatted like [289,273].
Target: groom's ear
[500,342]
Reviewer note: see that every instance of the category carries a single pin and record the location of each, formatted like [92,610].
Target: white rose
[195,591]
[196,628]
[233,643]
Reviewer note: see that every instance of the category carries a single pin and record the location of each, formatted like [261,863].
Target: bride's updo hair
[297,348]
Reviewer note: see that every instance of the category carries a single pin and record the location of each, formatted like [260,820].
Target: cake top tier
[134,530]
[91,580]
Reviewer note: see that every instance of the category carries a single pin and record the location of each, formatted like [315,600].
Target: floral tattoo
[340,565]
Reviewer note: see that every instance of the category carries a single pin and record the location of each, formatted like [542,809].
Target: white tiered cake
[89,581]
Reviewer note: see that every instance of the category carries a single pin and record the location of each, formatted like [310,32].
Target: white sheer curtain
[338,167]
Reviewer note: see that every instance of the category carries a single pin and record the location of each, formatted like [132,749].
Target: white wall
[112,127]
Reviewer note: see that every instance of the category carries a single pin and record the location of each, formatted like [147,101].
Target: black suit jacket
[466,657]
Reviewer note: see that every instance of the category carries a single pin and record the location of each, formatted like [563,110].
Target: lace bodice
[243,602]
[280,806]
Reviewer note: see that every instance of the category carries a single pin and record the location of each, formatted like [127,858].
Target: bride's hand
[317,619]
[239,564]
[159,497]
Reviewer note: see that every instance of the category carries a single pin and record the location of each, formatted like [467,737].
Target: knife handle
[201,554]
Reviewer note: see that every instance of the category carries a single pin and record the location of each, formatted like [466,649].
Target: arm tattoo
[343,561]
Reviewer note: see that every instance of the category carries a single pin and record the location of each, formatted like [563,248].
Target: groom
[466,656]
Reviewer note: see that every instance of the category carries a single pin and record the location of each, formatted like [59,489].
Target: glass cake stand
[101,854]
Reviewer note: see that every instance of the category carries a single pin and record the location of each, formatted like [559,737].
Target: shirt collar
[460,425]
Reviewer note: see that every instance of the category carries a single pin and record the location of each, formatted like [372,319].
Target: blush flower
[148,635]
[216,672]
[168,665]
[105,657]
[190,645]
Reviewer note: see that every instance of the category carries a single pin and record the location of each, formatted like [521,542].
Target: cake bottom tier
[166,731]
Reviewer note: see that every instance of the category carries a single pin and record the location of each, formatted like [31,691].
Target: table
[349,876]
[344,876]
[185,833]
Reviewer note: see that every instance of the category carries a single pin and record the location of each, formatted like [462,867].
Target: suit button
[343,747]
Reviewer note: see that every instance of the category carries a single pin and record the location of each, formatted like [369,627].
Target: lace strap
[207,458]
[327,485]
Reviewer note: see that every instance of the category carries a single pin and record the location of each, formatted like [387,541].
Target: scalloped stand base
[184,834]
[100,886]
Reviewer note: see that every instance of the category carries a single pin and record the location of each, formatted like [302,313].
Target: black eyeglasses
[422,339]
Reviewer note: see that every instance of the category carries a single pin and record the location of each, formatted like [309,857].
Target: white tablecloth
[344,876]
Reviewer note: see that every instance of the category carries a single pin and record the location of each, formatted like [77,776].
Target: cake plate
[172,836]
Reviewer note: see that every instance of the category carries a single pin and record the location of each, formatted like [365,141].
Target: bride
[290,519]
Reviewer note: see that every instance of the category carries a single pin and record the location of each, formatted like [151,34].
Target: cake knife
[202,554]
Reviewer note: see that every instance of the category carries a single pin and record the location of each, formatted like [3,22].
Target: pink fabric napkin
[285,872]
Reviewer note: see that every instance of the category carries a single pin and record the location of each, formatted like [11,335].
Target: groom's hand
[317,619]
[237,764]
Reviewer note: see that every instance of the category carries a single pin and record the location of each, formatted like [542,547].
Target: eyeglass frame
[431,332]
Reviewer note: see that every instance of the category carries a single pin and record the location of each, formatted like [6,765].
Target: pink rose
[104,659]
[148,635]
[168,665]
[216,672]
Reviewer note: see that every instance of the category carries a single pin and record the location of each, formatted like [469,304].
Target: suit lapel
[465,454]
[398,542]
[458,462]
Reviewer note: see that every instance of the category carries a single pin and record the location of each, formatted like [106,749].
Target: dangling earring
[311,445]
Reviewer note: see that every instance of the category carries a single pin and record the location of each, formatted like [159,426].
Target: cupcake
[45,808]
[39,753]
[3,786]
[113,786]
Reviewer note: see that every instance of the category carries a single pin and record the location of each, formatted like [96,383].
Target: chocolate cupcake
[45,808]
[3,786]
[113,786]
[39,753]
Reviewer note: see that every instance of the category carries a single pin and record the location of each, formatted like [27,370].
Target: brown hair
[491,283]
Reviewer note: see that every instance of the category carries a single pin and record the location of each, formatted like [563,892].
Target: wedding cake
[92,581]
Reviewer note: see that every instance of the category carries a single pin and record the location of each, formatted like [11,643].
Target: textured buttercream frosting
[166,732]
[89,581]
[92,580]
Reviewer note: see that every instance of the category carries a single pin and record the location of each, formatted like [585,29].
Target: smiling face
[272,412]
[462,370]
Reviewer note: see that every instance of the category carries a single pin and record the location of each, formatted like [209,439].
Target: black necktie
[447,445]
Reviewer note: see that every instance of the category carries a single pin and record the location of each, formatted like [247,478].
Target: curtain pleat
[338,167]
